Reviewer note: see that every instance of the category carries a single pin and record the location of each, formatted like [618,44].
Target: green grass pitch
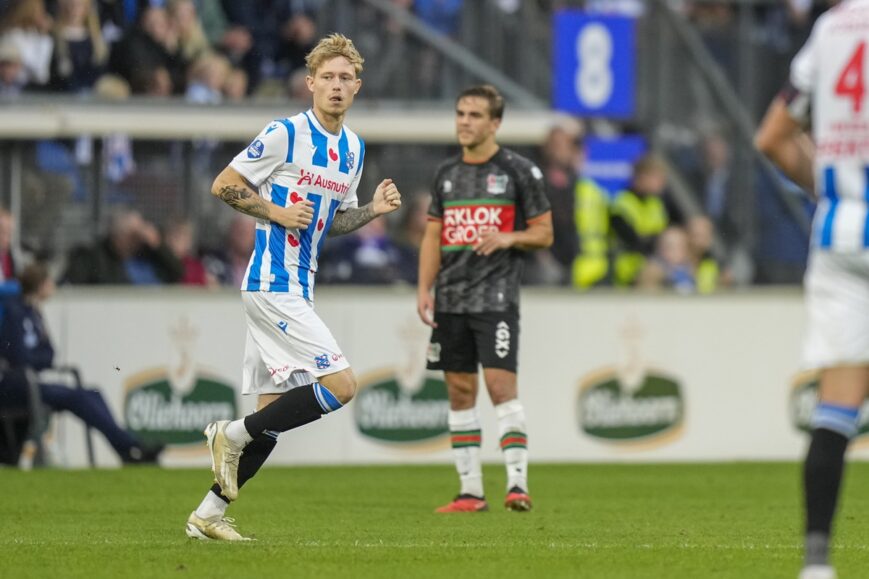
[597,521]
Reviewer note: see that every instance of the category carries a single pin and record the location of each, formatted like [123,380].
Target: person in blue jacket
[25,344]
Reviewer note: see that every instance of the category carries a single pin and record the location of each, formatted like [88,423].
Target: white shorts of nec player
[837,304]
[288,345]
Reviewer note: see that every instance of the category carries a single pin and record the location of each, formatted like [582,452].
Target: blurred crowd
[207,50]
[637,236]
[136,251]
[220,50]
[214,51]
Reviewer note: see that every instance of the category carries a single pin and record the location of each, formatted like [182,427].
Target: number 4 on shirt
[850,84]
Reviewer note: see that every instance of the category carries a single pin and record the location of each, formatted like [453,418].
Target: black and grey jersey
[501,194]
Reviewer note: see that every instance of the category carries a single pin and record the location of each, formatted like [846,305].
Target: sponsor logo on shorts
[336,357]
[255,150]
[433,354]
[171,404]
[283,326]
[502,339]
[281,370]
[322,361]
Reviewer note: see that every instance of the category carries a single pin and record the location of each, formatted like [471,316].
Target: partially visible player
[488,206]
[298,178]
[827,91]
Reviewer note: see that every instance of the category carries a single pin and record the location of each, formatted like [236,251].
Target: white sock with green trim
[465,437]
[514,442]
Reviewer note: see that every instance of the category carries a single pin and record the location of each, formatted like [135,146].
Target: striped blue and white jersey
[830,77]
[291,160]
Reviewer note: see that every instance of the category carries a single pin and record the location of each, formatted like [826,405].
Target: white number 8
[594,79]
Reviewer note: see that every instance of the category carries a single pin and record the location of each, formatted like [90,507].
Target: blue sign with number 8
[594,60]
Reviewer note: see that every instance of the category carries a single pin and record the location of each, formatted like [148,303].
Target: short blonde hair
[330,47]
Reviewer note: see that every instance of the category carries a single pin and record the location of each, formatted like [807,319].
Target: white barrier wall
[611,377]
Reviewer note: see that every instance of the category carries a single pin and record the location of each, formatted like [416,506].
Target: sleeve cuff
[243,171]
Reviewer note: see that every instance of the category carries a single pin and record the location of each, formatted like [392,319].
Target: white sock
[211,506]
[514,442]
[465,436]
[237,433]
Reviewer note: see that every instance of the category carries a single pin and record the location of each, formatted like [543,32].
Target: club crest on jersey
[496,184]
[255,150]
[351,159]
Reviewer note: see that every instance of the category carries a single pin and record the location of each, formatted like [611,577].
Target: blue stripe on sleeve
[291,138]
[343,149]
[321,144]
[832,197]
[278,244]
[253,279]
[361,155]
[305,247]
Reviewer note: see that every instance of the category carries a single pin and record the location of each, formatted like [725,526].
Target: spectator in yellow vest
[591,266]
[638,216]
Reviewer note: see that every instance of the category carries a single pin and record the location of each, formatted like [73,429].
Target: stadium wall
[604,377]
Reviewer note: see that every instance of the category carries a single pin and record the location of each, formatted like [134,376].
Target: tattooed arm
[351,219]
[386,200]
[236,192]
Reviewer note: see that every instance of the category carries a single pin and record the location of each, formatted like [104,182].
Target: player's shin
[255,455]
[514,442]
[293,409]
[465,435]
[832,428]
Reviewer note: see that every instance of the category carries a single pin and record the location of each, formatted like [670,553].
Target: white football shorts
[837,306]
[288,345]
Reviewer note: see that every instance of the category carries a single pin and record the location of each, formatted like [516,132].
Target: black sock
[291,410]
[252,459]
[822,478]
